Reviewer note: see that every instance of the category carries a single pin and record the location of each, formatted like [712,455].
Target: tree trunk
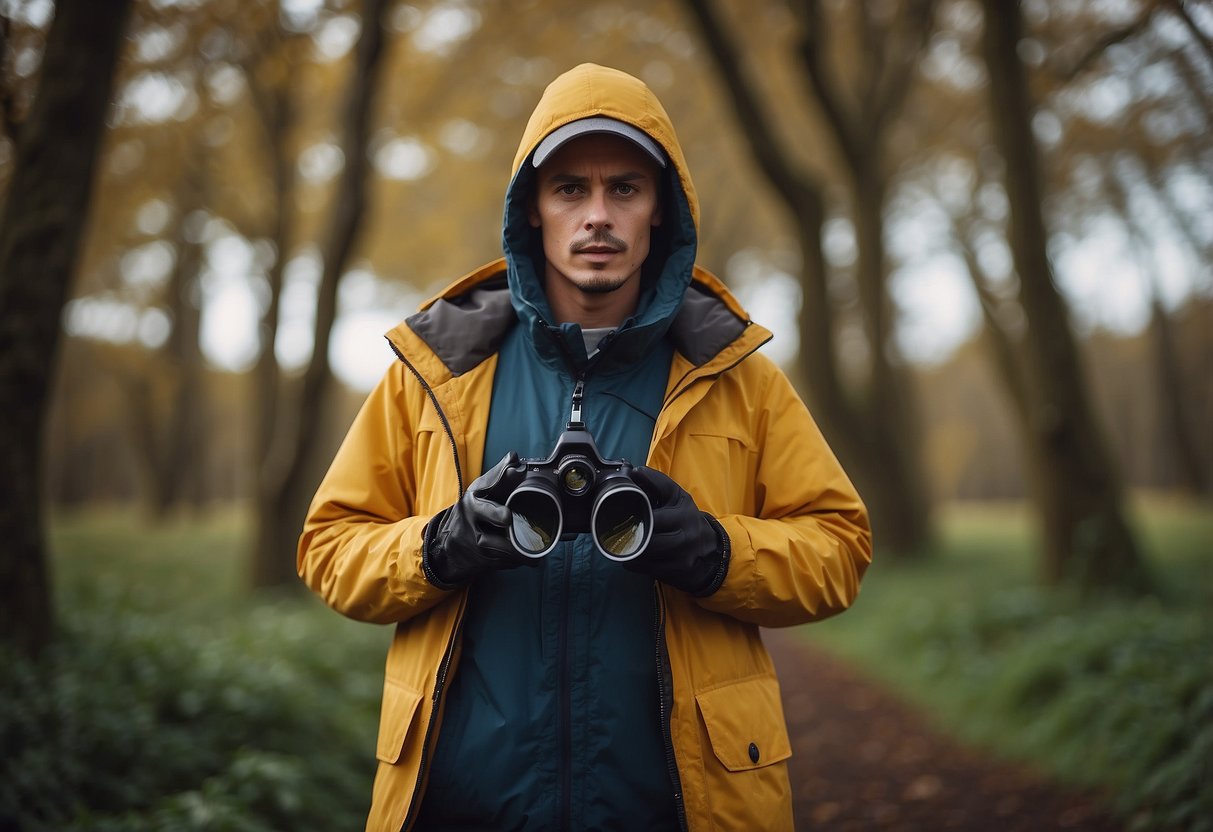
[269,393]
[182,448]
[872,433]
[817,362]
[1087,538]
[40,230]
[284,489]
[169,430]
[889,471]
[1172,399]
[1178,439]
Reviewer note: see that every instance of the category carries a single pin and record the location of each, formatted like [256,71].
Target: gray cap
[597,124]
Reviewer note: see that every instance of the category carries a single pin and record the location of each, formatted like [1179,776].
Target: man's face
[596,202]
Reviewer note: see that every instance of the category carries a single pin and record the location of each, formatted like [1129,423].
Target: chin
[601,284]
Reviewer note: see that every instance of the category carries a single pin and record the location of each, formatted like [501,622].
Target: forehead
[598,150]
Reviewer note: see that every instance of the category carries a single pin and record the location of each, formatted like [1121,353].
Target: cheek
[555,236]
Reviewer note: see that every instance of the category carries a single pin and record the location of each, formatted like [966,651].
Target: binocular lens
[622,522]
[536,520]
[576,475]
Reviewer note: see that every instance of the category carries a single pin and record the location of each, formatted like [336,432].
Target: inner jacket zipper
[564,686]
[665,685]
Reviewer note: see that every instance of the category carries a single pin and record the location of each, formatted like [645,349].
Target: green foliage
[173,700]
[1109,693]
[173,703]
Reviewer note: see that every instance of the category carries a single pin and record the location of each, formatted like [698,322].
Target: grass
[177,700]
[1109,693]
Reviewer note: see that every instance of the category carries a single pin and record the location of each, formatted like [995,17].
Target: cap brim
[598,124]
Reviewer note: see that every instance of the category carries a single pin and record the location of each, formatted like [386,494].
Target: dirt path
[863,761]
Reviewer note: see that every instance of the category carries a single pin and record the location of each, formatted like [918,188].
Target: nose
[597,215]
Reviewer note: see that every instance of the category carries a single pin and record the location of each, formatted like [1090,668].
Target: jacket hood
[592,90]
[585,91]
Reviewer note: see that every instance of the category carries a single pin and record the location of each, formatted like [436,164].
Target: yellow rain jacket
[731,430]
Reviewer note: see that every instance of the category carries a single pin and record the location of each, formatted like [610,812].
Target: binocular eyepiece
[575,491]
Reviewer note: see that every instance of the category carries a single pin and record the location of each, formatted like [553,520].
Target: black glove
[473,536]
[689,549]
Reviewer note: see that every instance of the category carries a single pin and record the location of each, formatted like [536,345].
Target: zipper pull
[575,422]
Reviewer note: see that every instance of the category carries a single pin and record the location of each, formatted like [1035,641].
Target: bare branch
[1205,42]
[1002,341]
[846,135]
[1102,44]
[894,86]
[8,103]
[758,128]
[872,62]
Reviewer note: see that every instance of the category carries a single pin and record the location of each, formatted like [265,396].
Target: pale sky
[1101,275]
[1106,280]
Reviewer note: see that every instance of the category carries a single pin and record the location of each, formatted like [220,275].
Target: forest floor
[863,760]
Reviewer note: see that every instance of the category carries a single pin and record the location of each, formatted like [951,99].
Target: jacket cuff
[726,549]
[428,536]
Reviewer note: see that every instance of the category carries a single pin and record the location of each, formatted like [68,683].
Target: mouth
[597,250]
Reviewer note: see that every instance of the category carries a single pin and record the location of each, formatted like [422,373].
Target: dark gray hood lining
[466,329]
[704,325]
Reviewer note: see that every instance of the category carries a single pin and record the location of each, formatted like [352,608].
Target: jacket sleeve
[798,532]
[361,544]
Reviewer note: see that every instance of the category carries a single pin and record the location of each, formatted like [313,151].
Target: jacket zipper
[414,802]
[446,425]
[665,682]
[564,673]
[565,775]
[665,696]
[447,656]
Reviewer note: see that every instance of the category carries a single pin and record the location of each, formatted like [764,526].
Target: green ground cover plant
[1109,693]
[174,701]
[177,700]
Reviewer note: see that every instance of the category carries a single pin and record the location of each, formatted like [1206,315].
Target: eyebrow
[570,179]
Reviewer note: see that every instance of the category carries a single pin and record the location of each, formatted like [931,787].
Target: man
[574,691]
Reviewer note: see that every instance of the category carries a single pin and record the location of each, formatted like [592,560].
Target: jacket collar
[461,326]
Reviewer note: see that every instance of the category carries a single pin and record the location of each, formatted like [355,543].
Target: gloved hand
[689,549]
[472,536]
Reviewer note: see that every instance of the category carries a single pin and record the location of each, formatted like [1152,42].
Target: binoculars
[576,491]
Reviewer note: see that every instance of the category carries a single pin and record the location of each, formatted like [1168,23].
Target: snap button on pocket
[753,753]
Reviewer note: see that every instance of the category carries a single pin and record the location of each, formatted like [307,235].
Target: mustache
[601,237]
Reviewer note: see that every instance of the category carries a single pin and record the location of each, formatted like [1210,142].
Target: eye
[625,189]
[568,190]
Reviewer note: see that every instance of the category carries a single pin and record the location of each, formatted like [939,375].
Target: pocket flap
[745,723]
[395,717]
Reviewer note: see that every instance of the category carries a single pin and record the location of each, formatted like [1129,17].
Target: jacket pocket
[395,717]
[745,723]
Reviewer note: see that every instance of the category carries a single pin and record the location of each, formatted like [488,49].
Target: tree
[1077,488]
[282,489]
[1182,445]
[168,399]
[873,430]
[40,229]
